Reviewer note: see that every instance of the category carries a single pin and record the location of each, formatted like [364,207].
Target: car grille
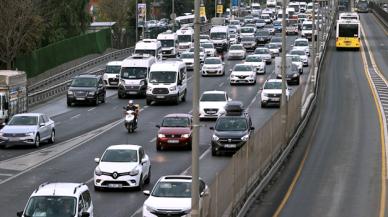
[274,95]
[113,182]
[14,135]
[113,81]
[235,140]
[132,87]
[211,111]
[189,63]
[184,47]
[169,213]
[167,51]
[173,136]
[160,91]
[80,93]
[308,34]
[242,76]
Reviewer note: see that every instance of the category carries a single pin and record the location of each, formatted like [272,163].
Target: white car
[171,196]
[302,43]
[273,49]
[112,69]
[203,38]
[122,166]
[213,66]
[209,49]
[266,18]
[212,103]
[237,51]
[302,55]
[297,61]
[233,39]
[153,23]
[243,74]
[272,91]
[257,62]
[264,53]
[202,55]
[236,23]
[188,58]
[232,29]
[249,19]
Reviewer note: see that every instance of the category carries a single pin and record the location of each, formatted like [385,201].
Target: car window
[202,186]
[231,124]
[213,97]
[87,199]
[253,59]
[45,118]
[213,61]
[261,51]
[120,155]
[273,85]
[141,154]
[244,68]
[41,120]
[80,204]
[172,189]
[175,122]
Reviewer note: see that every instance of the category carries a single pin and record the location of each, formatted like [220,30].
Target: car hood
[277,91]
[274,50]
[219,105]
[120,167]
[263,55]
[82,89]
[230,134]
[238,73]
[188,60]
[168,203]
[174,130]
[18,129]
[236,51]
[256,63]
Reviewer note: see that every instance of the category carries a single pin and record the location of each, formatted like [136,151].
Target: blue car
[278,26]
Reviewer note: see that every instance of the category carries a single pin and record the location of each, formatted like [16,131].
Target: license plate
[347,41]
[242,81]
[115,185]
[113,82]
[230,146]
[288,79]
[261,39]
[160,97]
[13,139]
[172,141]
[348,44]
[132,92]
[80,98]
[211,112]
[308,36]
[274,99]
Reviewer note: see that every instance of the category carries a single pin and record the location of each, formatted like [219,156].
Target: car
[112,69]
[241,20]
[249,42]
[212,103]
[237,51]
[294,77]
[175,131]
[243,74]
[232,129]
[209,49]
[292,28]
[297,61]
[267,18]
[262,36]
[232,39]
[272,91]
[188,58]
[152,23]
[86,89]
[251,25]
[52,199]
[260,23]
[171,196]
[302,54]
[277,41]
[277,25]
[249,19]
[264,53]
[255,16]
[273,49]
[203,38]
[270,28]
[303,17]
[122,166]
[232,29]
[236,23]
[213,66]
[202,55]
[257,62]
[302,43]
[28,129]
[309,13]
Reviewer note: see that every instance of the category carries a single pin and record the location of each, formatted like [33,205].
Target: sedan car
[273,49]
[293,77]
[209,49]
[249,19]
[202,55]
[257,62]
[175,131]
[277,41]
[264,53]
[237,51]
[203,38]
[27,129]
[302,55]
[122,166]
[262,36]
[267,18]
[213,66]
[243,74]
[249,42]
[297,61]
[272,92]
[233,39]
[212,103]
[278,26]
[270,28]
[260,23]
[188,58]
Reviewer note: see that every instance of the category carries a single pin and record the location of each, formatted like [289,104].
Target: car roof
[59,189]
[214,91]
[114,63]
[176,178]
[124,146]
[298,49]
[216,58]
[87,76]
[29,114]
[178,115]
[224,115]
[274,80]
[301,39]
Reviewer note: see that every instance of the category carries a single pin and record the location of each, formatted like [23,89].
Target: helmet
[130,102]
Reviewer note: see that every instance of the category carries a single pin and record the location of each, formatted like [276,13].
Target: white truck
[13,93]
[218,21]
[170,44]
[185,38]
[220,37]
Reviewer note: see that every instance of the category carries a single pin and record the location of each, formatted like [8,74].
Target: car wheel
[119,96]
[52,138]
[190,146]
[141,183]
[262,105]
[214,152]
[158,147]
[297,83]
[97,188]
[301,72]
[37,141]
[177,100]
[104,99]
[148,180]
[184,96]
[97,101]
[148,102]
[68,103]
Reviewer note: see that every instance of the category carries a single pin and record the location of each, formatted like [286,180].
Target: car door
[145,166]
[87,202]
[100,88]
[42,127]
[81,206]
[48,123]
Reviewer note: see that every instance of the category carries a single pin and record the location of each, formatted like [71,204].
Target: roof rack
[79,186]
[234,108]
[41,186]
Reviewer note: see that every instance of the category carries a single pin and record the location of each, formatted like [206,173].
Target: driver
[132,107]
[43,209]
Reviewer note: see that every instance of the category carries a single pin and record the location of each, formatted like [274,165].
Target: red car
[175,131]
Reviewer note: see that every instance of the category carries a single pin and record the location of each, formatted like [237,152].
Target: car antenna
[56,180]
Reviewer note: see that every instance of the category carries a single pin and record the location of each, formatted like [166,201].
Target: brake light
[358,39]
[336,39]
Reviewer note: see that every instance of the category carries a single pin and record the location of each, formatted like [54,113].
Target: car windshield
[265,16]
[262,33]
[112,69]
[277,23]
[53,206]
[249,17]
[187,56]
[172,189]
[232,27]
[119,155]
[213,97]
[133,73]
[162,77]
[261,51]
[150,52]
[235,22]
[184,38]
[192,50]
[247,39]
[295,59]
[276,40]
[271,46]
[167,43]
[236,48]
[273,85]
[207,45]
[231,124]
[298,52]
[253,59]
[23,120]
[247,30]
[268,26]
[83,82]
[203,37]
[176,122]
[307,26]
[232,36]
[255,15]
[260,21]
[301,43]
[242,68]
[212,61]
[217,35]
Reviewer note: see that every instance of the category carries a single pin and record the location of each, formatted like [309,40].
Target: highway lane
[77,164]
[339,155]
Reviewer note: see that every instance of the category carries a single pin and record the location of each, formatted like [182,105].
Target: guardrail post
[217,195]
[233,186]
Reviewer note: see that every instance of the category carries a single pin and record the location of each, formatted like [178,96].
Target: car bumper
[235,56]
[211,71]
[173,142]
[141,90]
[87,99]
[28,140]
[219,147]
[242,81]
[162,98]
[114,83]
[126,181]
[249,46]
[190,66]
[271,101]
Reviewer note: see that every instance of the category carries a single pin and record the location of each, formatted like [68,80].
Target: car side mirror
[212,128]
[85,214]
[230,70]
[292,45]
[124,107]
[229,99]
[290,88]
[143,161]
[19,213]
[201,195]
[41,125]
[3,124]
[97,160]
[260,88]
[146,192]
[68,85]
[158,126]
[252,128]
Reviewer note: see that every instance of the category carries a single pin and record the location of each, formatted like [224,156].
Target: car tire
[104,99]
[158,147]
[68,103]
[148,179]
[298,82]
[119,96]
[141,183]
[37,141]
[262,105]
[52,138]
[97,188]
[184,96]
[214,152]
[148,102]
[190,146]
[177,100]
[96,102]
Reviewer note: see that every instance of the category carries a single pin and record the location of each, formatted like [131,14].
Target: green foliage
[180,7]
[211,9]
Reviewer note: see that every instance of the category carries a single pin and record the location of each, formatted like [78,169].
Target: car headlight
[279,75]
[161,135]
[219,67]
[295,75]
[105,77]
[134,172]
[97,171]
[265,94]
[151,209]
[69,92]
[172,88]
[245,138]
[149,88]
[142,82]
[92,93]
[29,134]
[251,76]
[232,76]
[185,136]
[122,82]
[214,137]
[1,134]
[186,211]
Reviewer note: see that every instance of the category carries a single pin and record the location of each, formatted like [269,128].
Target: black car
[262,36]
[232,130]
[86,89]
[249,42]
[293,77]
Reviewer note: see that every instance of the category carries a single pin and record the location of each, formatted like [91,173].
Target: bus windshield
[348,30]
[162,77]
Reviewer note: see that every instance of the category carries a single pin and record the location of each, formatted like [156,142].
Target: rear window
[348,30]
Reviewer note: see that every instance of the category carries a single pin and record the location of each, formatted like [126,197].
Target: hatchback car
[272,92]
[270,28]
[260,23]
[297,61]
[277,41]
[237,51]
[278,26]
[188,58]
[264,53]
[212,103]
[236,23]
[249,42]
[122,166]
[86,89]
[213,66]
[28,129]
[293,77]
[262,36]
[257,62]
[302,55]
[243,74]
[203,38]
[175,131]
[273,49]
[209,49]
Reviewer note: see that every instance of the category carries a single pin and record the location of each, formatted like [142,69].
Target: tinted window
[175,122]
[273,85]
[236,48]
[112,69]
[207,45]
[261,51]
[187,56]
[162,77]
[244,68]
[212,61]
[213,97]
[87,199]
[84,82]
[232,124]
[253,59]
[45,118]
[23,120]
[262,33]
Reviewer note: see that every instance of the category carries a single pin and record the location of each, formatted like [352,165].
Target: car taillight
[358,39]
[336,39]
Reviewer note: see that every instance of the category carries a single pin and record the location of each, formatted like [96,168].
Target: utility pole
[317,26]
[284,97]
[137,20]
[312,90]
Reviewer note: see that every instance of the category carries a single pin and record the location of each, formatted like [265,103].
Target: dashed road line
[153,140]
[221,84]
[75,116]
[91,109]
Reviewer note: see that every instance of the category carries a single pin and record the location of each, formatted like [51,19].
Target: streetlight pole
[284,97]
[173,16]
[312,90]
[317,26]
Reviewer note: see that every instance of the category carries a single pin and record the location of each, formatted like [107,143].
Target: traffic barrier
[383,15]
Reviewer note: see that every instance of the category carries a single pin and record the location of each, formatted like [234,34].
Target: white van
[133,75]
[167,82]
[256,7]
[220,37]
[170,44]
[302,7]
[112,69]
[307,30]
[280,15]
[294,5]
[185,38]
[152,47]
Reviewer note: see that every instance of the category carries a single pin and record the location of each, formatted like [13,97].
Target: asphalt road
[339,155]
[84,132]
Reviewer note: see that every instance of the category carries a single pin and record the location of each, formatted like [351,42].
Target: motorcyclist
[132,107]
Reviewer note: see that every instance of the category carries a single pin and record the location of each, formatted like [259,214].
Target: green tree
[211,9]
[180,7]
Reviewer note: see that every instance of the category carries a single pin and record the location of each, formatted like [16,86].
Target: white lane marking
[190,78]
[137,211]
[114,97]
[56,123]
[221,84]
[191,111]
[90,180]
[153,140]
[6,174]
[205,153]
[146,106]
[91,109]
[75,116]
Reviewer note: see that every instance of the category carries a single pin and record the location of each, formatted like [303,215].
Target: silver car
[237,51]
[273,49]
[264,53]
[28,129]
[302,55]
[270,28]
[277,41]
[260,23]
[188,59]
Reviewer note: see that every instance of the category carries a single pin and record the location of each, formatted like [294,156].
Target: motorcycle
[130,120]
[220,53]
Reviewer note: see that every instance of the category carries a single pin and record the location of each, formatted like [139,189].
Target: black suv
[86,89]
[232,130]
